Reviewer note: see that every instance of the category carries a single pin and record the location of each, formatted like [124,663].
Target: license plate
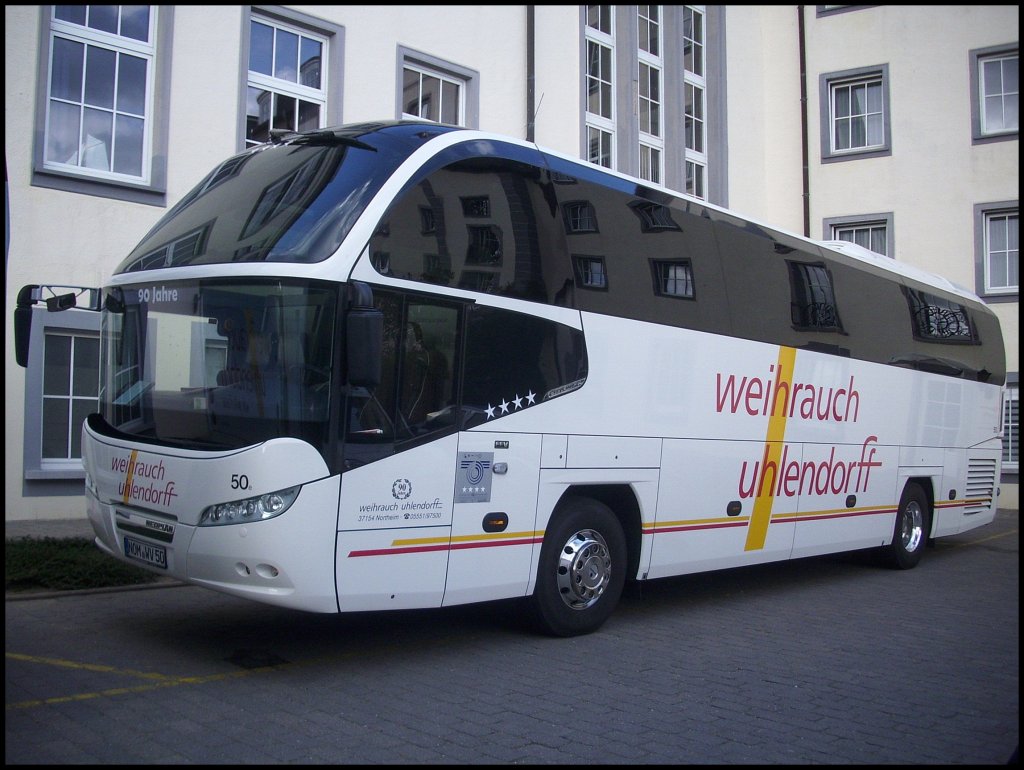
[145,552]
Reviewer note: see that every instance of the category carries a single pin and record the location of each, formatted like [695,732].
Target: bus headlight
[249,509]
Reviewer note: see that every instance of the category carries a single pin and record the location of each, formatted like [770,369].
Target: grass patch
[65,564]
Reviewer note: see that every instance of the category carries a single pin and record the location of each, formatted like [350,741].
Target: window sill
[993,299]
[54,180]
[56,473]
[867,152]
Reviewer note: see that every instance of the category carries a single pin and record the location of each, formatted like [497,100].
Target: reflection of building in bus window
[424,372]
[259,350]
[250,355]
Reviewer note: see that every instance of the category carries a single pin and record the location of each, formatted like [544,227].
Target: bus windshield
[218,365]
[294,201]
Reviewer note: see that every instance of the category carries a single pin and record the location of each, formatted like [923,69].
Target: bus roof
[393,141]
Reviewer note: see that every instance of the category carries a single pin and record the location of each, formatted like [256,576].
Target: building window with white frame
[649,92]
[995,93]
[694,114]
[599,79]
[287,88]
[651,143]
[61,390]
[432,95]
[599,146]
[875,232]
[855,113]
[694,93]
[70,392]
[1000,94]
[872,236]
[693,40]
[1002,252]
[997,251]
[696,184]
[438,90]
[648,20]
[99,100]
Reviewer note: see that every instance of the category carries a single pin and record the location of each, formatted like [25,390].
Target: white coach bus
[405,365]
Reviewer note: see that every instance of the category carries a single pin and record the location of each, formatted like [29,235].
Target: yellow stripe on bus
[129,474]
[762,514]
[464,538]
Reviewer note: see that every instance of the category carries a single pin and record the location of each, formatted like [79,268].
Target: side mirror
[23,324]
[364,338]
[79,297]
[364,341]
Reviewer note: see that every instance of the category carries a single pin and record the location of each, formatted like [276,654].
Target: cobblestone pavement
[828,660]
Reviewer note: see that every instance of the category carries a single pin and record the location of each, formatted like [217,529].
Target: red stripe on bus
[441,547]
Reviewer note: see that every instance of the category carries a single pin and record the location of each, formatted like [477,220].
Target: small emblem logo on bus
[473,477]
[401,489]
[160,526]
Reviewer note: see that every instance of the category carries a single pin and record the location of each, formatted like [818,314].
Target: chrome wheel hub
[912,527]
[584,569]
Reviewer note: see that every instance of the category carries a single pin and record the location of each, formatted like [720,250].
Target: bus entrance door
[496,481]
[394,527]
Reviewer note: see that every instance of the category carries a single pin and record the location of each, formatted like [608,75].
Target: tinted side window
[764,303]
[951,335]
[545,229]
[515,361]
[481,224]
[643,257]
[416,396]
[872,311]
[814,298]
[938,319]
[270,204]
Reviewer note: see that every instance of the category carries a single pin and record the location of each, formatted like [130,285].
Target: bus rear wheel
[910,533]
[582,569]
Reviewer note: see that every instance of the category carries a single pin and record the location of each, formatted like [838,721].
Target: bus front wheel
[582,569]
[911,530]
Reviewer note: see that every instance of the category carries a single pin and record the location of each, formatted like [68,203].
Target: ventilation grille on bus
[981,484]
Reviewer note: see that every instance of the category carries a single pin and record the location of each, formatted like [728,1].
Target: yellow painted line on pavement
[941,541]
[84,666]
[159,680]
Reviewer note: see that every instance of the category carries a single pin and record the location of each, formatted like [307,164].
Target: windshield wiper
[322,138]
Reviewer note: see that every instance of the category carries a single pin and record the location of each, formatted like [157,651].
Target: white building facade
[892,126]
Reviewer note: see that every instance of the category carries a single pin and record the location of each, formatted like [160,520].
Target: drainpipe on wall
[803,122]
[530,74]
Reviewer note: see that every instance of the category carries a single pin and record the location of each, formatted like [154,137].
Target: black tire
[911,531]
[582,569]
